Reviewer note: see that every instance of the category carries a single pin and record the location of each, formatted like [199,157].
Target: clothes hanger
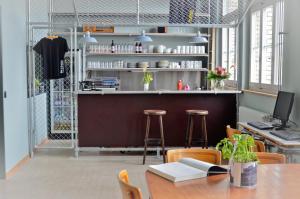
[50,36]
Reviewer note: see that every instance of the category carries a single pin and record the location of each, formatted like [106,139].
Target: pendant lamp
[143,37]
[199,38]
[87,38]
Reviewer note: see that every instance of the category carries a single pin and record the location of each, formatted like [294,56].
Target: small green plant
[148,78]
[37,83]
[241,150]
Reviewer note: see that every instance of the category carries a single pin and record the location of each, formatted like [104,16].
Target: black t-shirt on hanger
[53,53]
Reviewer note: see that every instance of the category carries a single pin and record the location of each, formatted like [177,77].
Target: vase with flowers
[147,79]
[217,77]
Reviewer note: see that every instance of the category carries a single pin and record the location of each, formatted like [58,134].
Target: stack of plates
[163,64]
[152,64]
[131,65]
[143,64]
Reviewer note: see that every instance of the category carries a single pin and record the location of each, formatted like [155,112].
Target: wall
[14,81]
[291,71]
[2,147]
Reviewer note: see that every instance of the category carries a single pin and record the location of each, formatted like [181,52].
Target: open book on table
[186,169]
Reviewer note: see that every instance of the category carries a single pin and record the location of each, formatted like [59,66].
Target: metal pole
[72,88]
[138,12]
[29,81]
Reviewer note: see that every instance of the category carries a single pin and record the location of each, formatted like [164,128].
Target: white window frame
[230,83]
[266,88]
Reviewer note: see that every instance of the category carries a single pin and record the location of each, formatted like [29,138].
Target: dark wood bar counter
[117,120]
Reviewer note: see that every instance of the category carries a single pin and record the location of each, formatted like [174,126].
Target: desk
[287,147]
[274,181]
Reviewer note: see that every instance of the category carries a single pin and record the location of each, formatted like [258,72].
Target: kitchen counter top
[159,92]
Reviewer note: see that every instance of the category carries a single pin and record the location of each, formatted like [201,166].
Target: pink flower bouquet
[218,74]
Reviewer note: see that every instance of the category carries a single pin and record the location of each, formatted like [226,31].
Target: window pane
[278,41]
[255,47]
[224,47]
[231,49]
[267,48]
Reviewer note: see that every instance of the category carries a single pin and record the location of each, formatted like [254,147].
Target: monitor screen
[283,106]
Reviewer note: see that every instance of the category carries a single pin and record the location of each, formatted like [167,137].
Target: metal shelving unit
[147,54]
[123,13]
[149,69]
[124,34]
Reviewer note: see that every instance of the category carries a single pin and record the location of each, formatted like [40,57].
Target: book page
[209,168]
[177,171]
[204,166]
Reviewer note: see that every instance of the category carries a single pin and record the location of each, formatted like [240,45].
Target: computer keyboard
[286,135]
[260,125]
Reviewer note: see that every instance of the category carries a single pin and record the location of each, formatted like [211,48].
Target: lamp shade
[199,38]
[143,38]
[88,39]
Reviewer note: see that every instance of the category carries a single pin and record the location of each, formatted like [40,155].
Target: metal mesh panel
[53,106]
[203,13]
[38,10]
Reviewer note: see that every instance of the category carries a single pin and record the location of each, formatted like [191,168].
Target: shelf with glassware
[149,69]
[162,65]
[148,54]
[125,56]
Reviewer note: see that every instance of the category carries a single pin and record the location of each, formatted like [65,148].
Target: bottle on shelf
[136,47]
[140,47]
[179,85]
[113,49]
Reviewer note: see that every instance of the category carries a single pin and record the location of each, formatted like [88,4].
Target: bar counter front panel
[117,120]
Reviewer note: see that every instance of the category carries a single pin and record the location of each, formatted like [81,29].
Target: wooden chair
[207,155]
[259,145]
[128,191]
[230,132]
[271,158]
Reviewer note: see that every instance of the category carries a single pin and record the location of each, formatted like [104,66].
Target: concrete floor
[56,174]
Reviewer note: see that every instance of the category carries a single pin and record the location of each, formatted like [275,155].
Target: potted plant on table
[217,77]
[242,159]
[147,79]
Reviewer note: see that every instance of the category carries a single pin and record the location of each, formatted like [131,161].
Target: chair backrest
[128,191]
[259,145]
[271,158]
[206,155]
[230,132]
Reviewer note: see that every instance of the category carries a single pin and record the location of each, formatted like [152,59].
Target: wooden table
[274,181]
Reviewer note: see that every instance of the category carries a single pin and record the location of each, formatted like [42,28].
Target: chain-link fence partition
[204,13]
[52,101]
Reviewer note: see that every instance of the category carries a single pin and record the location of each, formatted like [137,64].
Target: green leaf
[243,153]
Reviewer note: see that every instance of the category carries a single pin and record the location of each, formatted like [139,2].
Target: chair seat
[197,112]
[155,112]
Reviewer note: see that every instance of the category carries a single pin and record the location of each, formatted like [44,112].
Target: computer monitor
[283,107]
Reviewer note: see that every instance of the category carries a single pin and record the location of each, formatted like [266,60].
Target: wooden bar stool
[190,128]
[156,141]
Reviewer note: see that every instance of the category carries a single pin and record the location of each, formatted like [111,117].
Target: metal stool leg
[146,138]
[162,138]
